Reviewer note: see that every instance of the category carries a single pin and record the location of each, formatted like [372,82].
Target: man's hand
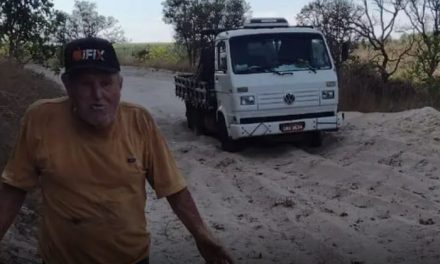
[11,199]
[212,251]
[184,207]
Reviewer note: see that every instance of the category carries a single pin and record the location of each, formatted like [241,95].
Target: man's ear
[121,81]
[66,83]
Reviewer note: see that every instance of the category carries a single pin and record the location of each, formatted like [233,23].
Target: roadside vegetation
[387,53]
[167,56]
[392,51]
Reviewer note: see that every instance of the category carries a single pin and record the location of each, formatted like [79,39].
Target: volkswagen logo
[289,98]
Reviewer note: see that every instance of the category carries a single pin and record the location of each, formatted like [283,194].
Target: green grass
[155,55]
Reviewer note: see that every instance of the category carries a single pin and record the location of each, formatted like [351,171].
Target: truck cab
[270,79]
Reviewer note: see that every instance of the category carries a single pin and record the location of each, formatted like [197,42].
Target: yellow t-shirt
[93,184]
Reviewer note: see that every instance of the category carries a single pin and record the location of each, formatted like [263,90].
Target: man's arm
[11,200]
[184,207]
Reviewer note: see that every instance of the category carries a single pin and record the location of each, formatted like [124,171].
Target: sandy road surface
[370,195]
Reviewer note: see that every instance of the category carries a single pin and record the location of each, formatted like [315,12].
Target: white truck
[266,78]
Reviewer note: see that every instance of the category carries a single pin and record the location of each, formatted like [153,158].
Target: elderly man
[92,156]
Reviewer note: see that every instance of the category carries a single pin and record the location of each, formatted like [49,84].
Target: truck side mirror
[223,64]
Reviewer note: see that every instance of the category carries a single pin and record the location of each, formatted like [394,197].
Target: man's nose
[97,92]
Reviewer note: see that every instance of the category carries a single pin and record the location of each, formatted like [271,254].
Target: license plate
[292,127]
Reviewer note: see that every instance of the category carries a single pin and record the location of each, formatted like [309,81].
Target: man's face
[95,96]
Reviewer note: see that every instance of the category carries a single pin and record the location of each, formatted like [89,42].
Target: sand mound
[371,194]
[18,89]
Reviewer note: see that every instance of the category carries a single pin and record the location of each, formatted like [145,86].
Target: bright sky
[142,19]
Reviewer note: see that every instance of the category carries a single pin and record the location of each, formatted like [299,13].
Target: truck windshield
[282,52]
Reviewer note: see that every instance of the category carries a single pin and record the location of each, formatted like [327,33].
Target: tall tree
[85,21]
[376,26]
[179,13]
[424,16]
[191,17]
[334,19]
[27,27]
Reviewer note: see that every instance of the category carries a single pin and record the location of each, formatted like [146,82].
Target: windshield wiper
[303,63]
[280,72]
[252,69]
[261,69]
[310,67]
[269,69]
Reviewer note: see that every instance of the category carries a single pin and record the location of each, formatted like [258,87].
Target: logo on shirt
[131,159]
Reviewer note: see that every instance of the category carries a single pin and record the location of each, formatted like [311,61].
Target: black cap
[90,53]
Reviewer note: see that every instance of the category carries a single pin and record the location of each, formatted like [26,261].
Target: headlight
[329,94]
[247,100]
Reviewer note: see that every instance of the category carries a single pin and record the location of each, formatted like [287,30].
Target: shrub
[362,89]
[167,56]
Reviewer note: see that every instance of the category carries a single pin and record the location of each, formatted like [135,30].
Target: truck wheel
[199,122]
[315,139]
[227,143]
[189,115]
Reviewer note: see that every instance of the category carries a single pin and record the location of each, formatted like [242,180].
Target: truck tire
[199,121]
[227,143]
[315,139]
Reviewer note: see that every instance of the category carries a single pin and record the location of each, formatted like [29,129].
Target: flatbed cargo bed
[200,94]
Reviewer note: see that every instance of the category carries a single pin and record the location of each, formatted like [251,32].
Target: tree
[179,13]
[85,21]
[191,17]
[424,16]
[28,27]
[235,11]
[376,27]
[334,19]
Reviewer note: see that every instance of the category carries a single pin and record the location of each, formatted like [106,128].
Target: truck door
[223,87]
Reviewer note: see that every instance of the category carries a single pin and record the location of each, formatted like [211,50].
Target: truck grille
[276,100]
[252,120]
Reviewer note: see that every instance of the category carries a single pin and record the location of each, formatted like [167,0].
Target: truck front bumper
[237,131]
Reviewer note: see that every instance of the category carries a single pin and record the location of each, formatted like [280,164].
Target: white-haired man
[92,155]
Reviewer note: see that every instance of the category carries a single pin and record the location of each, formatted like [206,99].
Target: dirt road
[369,195]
